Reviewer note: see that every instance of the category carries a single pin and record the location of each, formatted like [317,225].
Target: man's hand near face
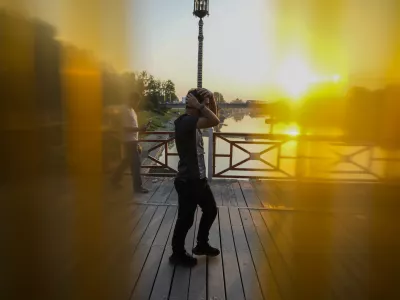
[207,117]
[192,102]
[210,96]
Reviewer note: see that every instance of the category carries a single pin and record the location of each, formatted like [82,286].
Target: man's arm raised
[208,118]
[208,94]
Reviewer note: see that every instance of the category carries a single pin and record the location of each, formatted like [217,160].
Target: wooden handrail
[301,137]
[157,132]
[161,139]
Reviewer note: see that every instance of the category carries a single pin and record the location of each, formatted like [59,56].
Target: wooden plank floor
[278,241]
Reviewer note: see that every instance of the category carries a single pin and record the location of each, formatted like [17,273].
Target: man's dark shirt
[189,143]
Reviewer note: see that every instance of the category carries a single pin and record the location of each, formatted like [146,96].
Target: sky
[253,49]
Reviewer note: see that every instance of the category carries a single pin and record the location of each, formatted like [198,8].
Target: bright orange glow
[292,132]
[336,78]
[295,76]
[292,129]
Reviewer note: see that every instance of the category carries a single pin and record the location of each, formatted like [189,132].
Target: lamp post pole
[200,55]
[200,10]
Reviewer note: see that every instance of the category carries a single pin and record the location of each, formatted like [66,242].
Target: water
[324,160]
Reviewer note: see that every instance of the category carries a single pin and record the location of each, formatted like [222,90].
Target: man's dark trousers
[193,192]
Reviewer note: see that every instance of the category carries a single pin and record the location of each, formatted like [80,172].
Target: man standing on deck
[132,149]
[191,182]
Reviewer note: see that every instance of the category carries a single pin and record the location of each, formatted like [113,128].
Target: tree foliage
[219,98]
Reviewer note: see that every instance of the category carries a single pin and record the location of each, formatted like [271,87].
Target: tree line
[117,87]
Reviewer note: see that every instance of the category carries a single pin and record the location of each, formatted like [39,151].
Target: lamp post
[200,10]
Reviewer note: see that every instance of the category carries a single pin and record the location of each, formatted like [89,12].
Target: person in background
[191,182]
[132,149]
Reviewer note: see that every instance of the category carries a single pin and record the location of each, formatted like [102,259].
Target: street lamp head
[200,9]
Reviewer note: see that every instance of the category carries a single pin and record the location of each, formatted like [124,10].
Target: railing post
[210,152]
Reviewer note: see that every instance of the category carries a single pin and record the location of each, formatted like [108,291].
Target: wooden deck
[278,240]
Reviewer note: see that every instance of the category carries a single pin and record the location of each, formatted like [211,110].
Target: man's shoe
[141,190]
[205,249]
[183,259]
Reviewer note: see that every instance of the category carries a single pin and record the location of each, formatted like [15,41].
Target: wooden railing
[280,157]
[161,146]
[306,157]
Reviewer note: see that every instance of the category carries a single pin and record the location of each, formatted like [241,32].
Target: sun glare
[336,78]
[292,130]
[294,77]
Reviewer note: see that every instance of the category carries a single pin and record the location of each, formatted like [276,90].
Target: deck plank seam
[163,252]
[273,238]
[148,252]
[277,209]
[236,252]
[349,272]
[144,231]
[194,239]
[277,247]
[241,191]
[222,254]
[168,240]
[170,194]
[165,247]
[266,255]
[138,221]
[352,257]
[248,245]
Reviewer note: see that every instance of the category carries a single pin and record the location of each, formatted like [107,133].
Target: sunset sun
[294,77]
